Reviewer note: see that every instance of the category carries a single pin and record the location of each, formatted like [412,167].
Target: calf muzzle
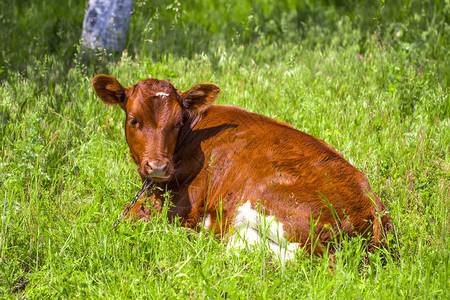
[157,169]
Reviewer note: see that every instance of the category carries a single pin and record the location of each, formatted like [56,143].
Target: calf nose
[157,168]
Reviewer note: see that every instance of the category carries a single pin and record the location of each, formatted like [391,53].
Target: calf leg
[143,209]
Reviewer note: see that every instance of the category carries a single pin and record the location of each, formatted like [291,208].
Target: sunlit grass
[65,171]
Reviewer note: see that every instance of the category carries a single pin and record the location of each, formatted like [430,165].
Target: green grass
[374,90]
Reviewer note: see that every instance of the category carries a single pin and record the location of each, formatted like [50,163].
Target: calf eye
[133,122]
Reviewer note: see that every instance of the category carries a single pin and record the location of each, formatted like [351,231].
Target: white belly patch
[252,227]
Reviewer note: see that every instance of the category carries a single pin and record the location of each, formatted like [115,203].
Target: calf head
[155,111]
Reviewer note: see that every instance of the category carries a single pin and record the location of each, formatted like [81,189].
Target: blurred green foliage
[31,29]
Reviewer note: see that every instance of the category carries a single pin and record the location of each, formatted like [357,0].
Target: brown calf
[233,171]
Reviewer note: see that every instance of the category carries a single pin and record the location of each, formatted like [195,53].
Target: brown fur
[214,158]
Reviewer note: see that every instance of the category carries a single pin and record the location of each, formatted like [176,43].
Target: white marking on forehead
[254,228]
[162,94]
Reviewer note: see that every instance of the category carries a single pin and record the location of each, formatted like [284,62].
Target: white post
[106,23]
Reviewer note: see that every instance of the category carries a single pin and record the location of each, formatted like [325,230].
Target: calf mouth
[156,176]
[159,178]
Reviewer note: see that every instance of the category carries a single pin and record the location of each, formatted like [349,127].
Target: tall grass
[370,79]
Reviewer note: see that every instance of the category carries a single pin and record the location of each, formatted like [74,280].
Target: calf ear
[200,97]
[110,90]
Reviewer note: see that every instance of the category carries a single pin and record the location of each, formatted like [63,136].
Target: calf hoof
[139,211]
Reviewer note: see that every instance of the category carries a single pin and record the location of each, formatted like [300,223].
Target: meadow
[370,78]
